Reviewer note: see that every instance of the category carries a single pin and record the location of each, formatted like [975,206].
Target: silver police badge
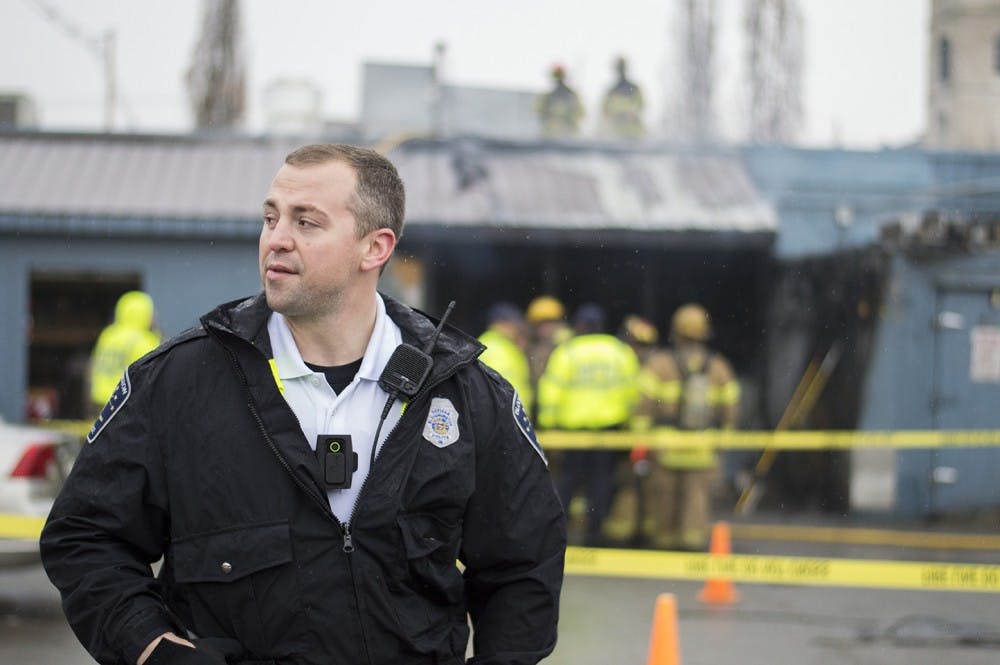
[441,427]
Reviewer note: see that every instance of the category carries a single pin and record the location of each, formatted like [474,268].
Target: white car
[33,463]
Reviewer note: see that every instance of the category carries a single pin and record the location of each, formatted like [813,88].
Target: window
[944,59]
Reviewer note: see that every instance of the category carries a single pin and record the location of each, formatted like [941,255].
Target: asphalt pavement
[607,621]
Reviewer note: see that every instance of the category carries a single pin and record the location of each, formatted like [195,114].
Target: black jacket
[204,463]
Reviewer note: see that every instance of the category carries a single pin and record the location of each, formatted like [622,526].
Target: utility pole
[439,100]
[102,48]
[773,30]
[109,44]
[216,78]
[691,117]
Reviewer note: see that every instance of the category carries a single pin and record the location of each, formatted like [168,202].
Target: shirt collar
[386,336]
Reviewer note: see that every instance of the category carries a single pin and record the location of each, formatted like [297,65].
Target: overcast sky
[865,60]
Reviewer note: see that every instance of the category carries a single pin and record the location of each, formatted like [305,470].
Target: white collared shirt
[354,411]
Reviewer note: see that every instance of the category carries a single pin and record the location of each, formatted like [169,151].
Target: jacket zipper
[345,527]
[323,502]
[348,540]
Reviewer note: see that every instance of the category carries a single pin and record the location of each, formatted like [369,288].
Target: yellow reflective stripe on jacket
[670,391]
[274,373]
[724,395]
[662,391]
[649,385]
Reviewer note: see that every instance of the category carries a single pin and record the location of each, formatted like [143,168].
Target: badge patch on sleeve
[441,427]
[114,405]
[524,424]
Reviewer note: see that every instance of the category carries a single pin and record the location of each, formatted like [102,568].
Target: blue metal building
[891,256]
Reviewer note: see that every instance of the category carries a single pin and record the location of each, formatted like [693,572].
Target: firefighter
[589,384]
[697,390]
[505,341]
[547,321]
[629,523]
[127,339]
[623,105]
[560,110]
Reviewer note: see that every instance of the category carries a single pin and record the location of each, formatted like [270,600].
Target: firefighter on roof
[560,110]
[621,112]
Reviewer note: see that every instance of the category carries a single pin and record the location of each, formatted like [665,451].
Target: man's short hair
[379,200]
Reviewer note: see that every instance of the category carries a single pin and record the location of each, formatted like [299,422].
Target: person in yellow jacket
[505,340]
[621,111]
[697,390]
[127,339]
[589,384]
[559,110]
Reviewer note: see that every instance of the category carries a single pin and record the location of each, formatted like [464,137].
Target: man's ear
[379,245]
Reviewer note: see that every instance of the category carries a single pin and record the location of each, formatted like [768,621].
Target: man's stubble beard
[303,305]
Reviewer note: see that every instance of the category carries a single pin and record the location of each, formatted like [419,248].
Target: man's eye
[269,220]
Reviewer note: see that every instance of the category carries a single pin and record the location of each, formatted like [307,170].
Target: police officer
[621,111]
[127,339]
[589,384]
[697,391]
[310,463]
[505,340]
[560,110]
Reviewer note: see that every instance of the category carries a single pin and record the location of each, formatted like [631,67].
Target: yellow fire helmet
[545,308]
[691,322]
[640,330]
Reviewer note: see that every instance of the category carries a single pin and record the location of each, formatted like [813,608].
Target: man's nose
[279,236]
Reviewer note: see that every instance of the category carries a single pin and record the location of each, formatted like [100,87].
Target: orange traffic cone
[719,590]
[664,646]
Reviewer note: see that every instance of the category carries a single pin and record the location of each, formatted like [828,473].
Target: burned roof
[579,186]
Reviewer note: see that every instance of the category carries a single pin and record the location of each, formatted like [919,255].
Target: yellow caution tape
[804,571]
[77,427]
[22,527]
[663,438]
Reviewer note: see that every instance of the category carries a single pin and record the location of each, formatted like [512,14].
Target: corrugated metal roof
[450,183]
[119,176]
[550,186]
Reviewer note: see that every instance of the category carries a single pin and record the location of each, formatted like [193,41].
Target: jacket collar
[247,320]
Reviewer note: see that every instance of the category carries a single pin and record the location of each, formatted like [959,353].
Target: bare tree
[774,79]
[691,116]
[216,80]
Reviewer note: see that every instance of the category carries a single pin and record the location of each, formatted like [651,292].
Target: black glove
[208,651]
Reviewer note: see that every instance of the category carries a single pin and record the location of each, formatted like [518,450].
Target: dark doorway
[68,311]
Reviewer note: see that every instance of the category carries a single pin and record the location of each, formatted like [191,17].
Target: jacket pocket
[429,599]
[238,582]
[431,548]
